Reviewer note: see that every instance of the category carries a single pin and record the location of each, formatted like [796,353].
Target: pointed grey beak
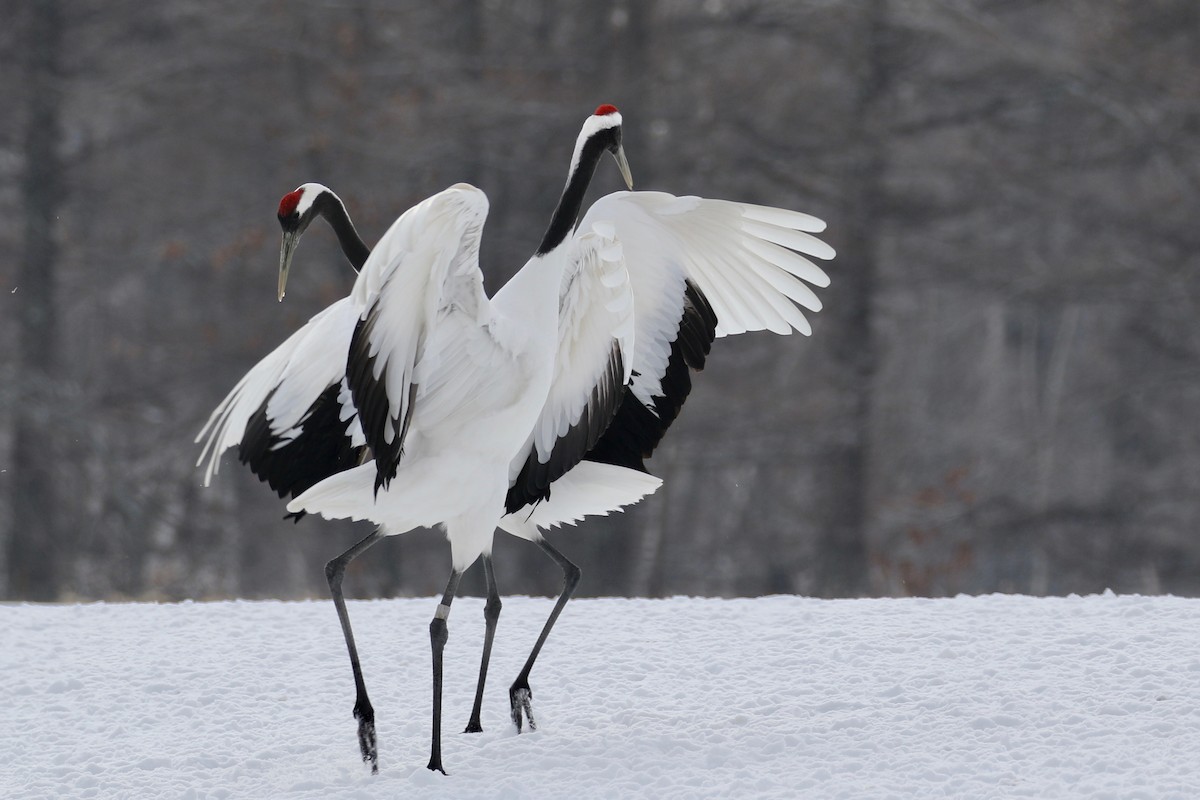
[623,165]
[286,248]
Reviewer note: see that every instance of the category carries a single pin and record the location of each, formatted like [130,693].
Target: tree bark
[842,550]
[35,546]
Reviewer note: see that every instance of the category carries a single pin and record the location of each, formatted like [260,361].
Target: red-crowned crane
[674,327]
[290,416]
[449,384]
[303,368]
[299,208]
[692,262]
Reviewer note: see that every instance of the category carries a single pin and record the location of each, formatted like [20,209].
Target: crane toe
[520,698]
[365,714]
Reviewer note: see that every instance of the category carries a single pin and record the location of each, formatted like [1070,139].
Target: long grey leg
[491,613]
[335,570]
[519,695]
[438,634]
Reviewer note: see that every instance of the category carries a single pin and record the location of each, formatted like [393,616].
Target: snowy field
[784,697]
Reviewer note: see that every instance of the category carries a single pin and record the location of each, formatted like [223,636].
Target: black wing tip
[385,474]
[636,430]
[320,449]
[532,484]
[697,326]
[373,405]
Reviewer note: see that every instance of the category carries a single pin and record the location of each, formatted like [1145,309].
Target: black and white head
[297,210]
[601,131]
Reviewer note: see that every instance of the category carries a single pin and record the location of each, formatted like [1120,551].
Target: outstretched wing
[591,367]
[750,262]
[662,379]
[424,267]
[287,415]
[700,269]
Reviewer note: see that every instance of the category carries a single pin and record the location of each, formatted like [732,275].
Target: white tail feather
[589,489]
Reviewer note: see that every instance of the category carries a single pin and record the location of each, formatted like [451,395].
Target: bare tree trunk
[842,550]
[36,541]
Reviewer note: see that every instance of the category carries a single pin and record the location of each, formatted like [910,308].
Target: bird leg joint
[439,634]
[491,610]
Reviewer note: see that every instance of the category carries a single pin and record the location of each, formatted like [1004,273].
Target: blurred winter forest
[1001,394]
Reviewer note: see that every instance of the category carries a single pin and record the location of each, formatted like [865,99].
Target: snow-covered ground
[972,697]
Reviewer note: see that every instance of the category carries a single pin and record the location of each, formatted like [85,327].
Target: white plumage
[541,402]
[454,391]
[590,488]
[733,257]
[290,416]
[736,255]
[485,376]
[288,380]
[451,384]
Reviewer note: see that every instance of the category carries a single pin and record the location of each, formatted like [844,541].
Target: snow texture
[971,697]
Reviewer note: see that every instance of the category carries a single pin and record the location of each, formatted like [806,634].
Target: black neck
[562,222]
[329,206]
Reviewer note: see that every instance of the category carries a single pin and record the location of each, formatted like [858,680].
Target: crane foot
[365,714]
[520,698]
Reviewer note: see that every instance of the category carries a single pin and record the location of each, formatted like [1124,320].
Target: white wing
[700,269]
[283,388]
[739,255]
[591,368]
[425,267]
